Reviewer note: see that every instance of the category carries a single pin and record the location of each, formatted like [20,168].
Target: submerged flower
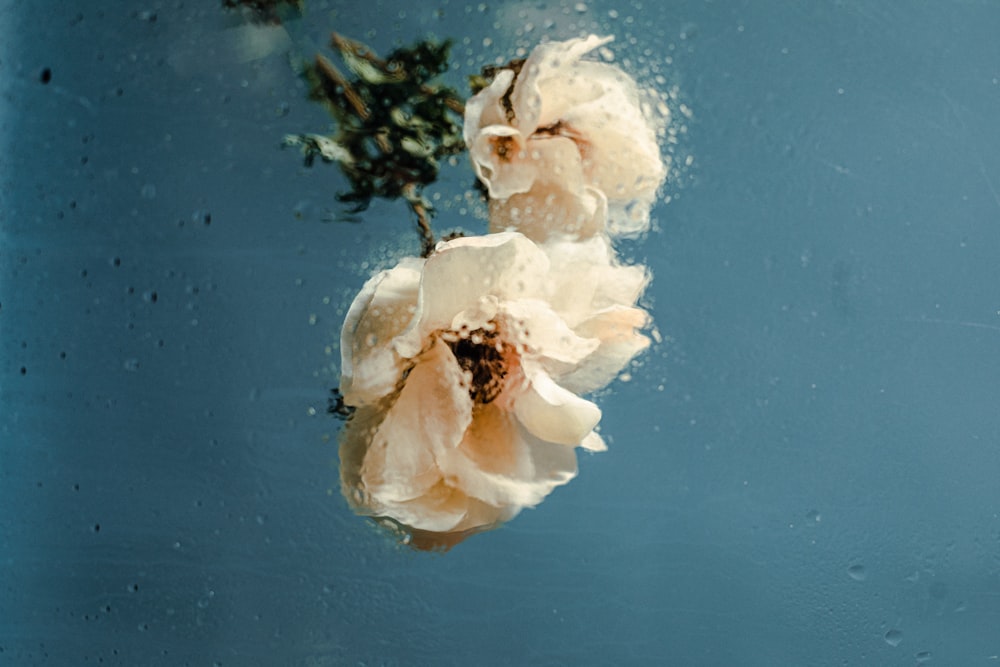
[464,370]
[563,146]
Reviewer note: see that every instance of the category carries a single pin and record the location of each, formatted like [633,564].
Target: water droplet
[923,656]
[814,516]
[131,365]
[203,602]
[148,191]
[893,637]
[857,572]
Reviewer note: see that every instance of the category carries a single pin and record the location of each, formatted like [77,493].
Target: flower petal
[370,368]
[554,414]
[500,158]
[503,465]
[547,67]
[615,328]
[461,272]
[427,419]
[594,443]
[596,106]
[557,201]
[485,108]
[539,332]
[586,278]
[622,155]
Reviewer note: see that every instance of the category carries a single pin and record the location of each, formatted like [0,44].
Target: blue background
[804,472]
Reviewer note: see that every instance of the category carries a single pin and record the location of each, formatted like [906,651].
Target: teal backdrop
[803,471]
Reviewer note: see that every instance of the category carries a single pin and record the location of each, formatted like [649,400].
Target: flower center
[503,147]
[483,354]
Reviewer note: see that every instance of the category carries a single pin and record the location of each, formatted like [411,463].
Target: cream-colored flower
[563,146]
[464,370]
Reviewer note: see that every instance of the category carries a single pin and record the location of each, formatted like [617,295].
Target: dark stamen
[482,354]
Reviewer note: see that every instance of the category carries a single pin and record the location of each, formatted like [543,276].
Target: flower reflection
[465,370]
[563,146]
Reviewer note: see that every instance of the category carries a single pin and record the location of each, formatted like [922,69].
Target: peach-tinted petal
[558,203]
[616,329]
[484,108]
[585,278]
[462,271]
[500,157]
[596,106]
[547,67]
[427,419]
[501,464]
[536,329]
[594,443]
[554,414]
[370,368]
[621,154]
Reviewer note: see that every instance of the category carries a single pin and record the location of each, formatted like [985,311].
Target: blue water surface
[804,471]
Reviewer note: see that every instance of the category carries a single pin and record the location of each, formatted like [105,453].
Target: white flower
[463,370]
[563,146]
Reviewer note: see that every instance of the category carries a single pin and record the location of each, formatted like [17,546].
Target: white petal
[554,414]
[594,443]
[536,330]
[616,329]
[494,145]
[586,278]
[622,155]
[500,157]
[441,509]
[370,368]
[558,202]
[463,271]
[477,317]
[549,63]
[429,418]
[501,464]
[484,108]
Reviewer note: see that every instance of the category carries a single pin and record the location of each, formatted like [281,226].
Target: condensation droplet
[857,572]
[923,656]
[203,602]
[893,637]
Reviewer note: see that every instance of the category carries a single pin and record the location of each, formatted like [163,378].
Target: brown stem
[344,44]
[423,219]
[358,49]
[330,71]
